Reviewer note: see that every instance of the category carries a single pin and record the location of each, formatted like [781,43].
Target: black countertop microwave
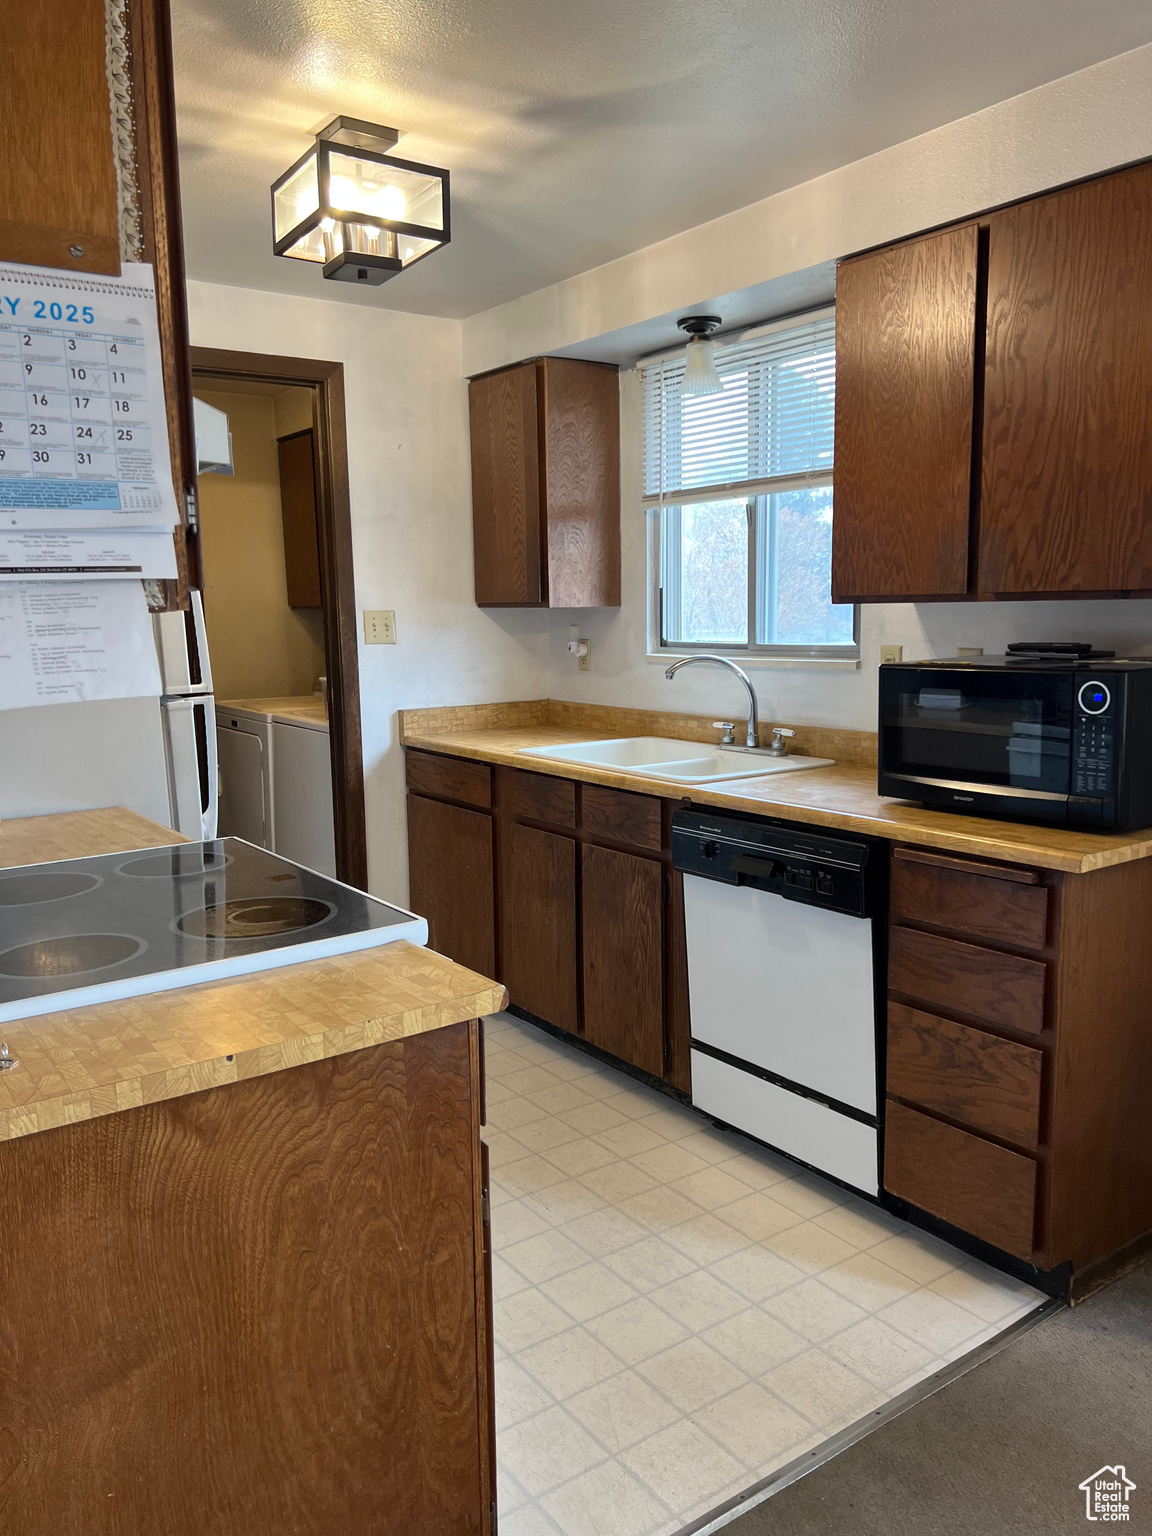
[1057,740]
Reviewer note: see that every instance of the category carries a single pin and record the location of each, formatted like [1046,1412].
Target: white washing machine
[275,766]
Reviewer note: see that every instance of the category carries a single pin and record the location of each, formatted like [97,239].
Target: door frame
[337,585]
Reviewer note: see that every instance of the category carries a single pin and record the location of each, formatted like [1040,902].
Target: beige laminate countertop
[79,835]
[303,709]
[843,796]
[84,1062]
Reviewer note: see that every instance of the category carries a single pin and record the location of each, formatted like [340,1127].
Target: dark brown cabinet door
[450,877]
[905,373]
[298,516]
[1066,504]
[538,932]
[623,942]
[581,414]
[506,487]
[546,485]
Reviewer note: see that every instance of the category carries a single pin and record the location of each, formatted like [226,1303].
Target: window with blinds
[742,482]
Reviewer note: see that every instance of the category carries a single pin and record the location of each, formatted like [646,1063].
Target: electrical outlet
[379,626]
[891,653]
[585,662]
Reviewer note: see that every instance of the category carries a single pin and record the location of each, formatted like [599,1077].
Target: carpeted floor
[1001,1451]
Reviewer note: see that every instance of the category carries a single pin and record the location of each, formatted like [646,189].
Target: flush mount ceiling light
[361,213]
[700,376]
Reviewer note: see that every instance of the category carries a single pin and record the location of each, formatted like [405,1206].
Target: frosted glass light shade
[700,376]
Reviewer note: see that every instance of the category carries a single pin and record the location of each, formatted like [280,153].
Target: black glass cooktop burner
[254,917]
[72,955]
[85,930]
[29,887]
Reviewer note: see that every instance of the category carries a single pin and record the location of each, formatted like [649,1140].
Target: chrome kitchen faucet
[752,738]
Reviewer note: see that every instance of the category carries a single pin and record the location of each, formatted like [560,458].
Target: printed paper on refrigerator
[67,642]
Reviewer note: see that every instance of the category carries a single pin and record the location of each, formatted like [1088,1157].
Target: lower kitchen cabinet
[450,880]
[622,913]
[538,924]
[565,893]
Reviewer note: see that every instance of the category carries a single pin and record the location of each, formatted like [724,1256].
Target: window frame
[756,493]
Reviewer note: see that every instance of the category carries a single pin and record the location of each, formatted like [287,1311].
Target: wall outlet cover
[585,662]
[379,626]
[891,653]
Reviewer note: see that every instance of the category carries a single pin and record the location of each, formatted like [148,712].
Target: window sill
[760,661]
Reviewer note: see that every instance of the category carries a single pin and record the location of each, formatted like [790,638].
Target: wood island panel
[285,1280]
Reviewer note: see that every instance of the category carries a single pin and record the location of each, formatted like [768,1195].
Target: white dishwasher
[785,931]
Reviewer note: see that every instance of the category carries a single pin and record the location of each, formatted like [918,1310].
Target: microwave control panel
[1094,741]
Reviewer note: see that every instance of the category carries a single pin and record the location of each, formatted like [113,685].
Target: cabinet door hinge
[191,513]
[492,1519]
[485,1209]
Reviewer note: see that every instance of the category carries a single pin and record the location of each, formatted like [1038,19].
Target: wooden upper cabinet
[1066,503]
[298,516]
[905,361]
[546,485]
[57,172]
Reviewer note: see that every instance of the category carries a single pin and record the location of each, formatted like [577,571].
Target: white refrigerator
[155,756]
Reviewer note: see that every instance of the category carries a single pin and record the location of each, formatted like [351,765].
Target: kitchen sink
[672,761]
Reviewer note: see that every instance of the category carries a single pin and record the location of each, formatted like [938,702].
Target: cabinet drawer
[992,1085]
[537,797]
[963,978]
[977,1186]
[1006,906]
[452,778]
[617,816]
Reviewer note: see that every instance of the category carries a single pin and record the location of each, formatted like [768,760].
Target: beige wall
[259,646]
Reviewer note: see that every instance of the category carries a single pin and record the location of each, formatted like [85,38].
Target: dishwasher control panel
[800,864]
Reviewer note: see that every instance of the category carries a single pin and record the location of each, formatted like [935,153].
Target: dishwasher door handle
[744,865]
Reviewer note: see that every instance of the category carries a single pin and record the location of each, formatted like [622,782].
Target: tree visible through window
[742,481]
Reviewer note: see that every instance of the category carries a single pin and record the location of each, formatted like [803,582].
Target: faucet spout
[752,738]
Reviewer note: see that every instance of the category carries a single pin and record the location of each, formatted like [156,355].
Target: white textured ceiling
[578,130]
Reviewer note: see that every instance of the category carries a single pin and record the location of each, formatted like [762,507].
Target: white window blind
[771,427]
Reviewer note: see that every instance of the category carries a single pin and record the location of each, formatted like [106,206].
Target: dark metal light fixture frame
[354,245]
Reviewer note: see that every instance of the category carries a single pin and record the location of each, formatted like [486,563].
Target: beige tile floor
[679,1312]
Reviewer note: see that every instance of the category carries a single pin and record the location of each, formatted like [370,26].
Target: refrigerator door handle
[182,646]
[209,770]
[198,637]
[190,739]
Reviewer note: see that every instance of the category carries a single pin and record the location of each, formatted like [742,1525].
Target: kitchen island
[1014,1031]
[243,1254]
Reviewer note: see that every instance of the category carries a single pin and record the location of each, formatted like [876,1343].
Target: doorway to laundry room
[275,554]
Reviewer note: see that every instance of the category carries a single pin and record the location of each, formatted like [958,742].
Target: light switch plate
[891,653]
[379,626]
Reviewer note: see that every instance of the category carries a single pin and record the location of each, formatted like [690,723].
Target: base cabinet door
[450,879]
[538,931]
[623,953]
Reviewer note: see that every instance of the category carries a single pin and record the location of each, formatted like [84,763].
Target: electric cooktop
[93,930]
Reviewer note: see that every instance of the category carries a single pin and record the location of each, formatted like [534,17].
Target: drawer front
[616,816]
[955,896]
[452,778]
[537,797]
[977,1186]
[963,978]
[992,1085]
